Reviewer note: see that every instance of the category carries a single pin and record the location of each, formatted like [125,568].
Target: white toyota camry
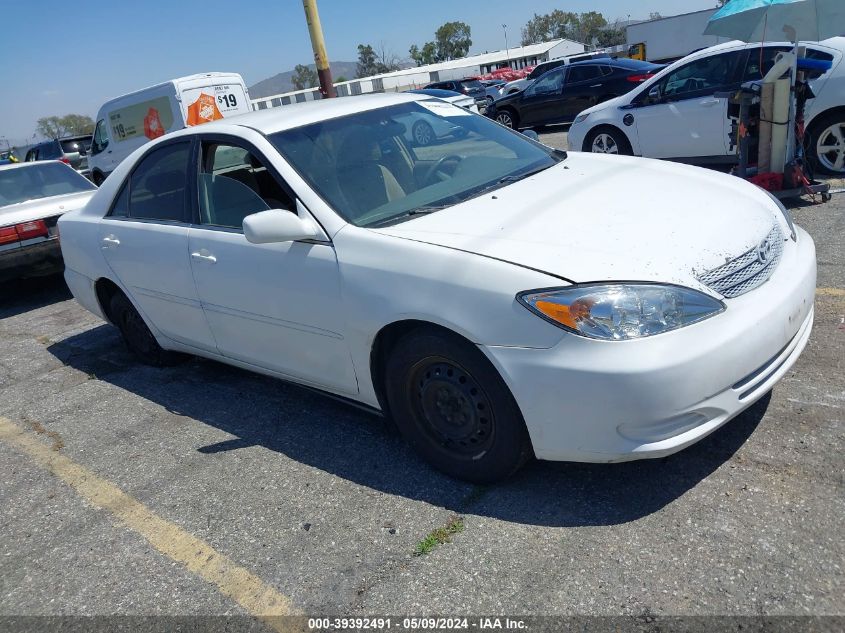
[496,298]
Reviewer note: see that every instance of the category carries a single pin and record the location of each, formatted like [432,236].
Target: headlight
[786,214]
[621,311]
[581,117]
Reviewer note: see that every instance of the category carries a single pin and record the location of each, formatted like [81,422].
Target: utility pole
[321,59]
[507,50]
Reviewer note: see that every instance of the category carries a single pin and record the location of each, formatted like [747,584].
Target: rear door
[144,239]
[584,84]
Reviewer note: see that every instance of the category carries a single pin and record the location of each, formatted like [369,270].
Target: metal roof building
[409,78]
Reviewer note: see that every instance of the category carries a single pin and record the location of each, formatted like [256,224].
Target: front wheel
[506,118]
[423,133]
[453,407]
[607,140]
[827,146]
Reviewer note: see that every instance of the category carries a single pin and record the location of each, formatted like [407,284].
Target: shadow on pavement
[346,442]
[22,295]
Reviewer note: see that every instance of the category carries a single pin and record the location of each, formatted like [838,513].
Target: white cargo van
[127,122]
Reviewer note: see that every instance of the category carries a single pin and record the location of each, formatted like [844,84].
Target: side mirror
[277,225]
[654,95]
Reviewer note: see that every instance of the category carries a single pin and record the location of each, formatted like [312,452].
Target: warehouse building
[419,76]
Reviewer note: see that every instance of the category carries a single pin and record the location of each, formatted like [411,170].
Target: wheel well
[385,341]
[586,145]
[106,289]
[840,110]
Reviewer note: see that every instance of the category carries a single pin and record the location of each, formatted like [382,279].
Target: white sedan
[496,298]
[32,197]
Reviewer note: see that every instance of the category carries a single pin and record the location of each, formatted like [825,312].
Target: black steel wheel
[453,407]
[137,335]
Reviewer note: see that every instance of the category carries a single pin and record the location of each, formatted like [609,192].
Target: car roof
[296,115]
[833,42]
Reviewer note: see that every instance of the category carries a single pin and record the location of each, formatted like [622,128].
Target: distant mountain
[280,83]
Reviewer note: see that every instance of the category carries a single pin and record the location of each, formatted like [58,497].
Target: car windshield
[39,180]
[383,166]
[471,84]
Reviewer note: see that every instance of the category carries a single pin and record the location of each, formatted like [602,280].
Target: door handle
[201,257]
[110,241]
[596,86]
[709,103]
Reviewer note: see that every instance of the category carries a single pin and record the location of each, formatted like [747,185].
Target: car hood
[43,207]
[597,218]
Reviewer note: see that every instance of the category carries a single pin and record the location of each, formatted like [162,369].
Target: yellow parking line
[830,292]
[245,588]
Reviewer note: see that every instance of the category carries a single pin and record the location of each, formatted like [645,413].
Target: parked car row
[71,150]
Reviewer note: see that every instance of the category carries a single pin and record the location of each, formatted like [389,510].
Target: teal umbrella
[777,20]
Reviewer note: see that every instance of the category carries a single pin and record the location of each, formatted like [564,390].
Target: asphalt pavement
[204,489]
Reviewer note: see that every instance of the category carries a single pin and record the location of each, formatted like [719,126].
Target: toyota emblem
[764,252]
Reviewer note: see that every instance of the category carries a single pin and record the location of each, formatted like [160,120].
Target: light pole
[321,59]
[507,50]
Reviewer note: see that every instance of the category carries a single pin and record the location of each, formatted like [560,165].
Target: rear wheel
[453,407]
[827,144]
[607,140]
[137,335]
[507,118]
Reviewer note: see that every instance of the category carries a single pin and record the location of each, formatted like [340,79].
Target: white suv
[677,114]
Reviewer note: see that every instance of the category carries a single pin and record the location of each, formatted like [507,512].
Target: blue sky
[62,56]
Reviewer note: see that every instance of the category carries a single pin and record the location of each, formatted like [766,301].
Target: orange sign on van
[153,127]
[203,110]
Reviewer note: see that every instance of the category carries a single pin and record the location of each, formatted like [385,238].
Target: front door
[584,84]
[144,239]
[275,306]
[686,119]
[540,102]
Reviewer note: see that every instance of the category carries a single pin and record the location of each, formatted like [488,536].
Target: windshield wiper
[523,175]
[407,214]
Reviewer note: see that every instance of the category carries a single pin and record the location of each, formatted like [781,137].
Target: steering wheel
[428,179]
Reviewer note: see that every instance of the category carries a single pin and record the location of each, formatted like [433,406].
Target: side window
[120,207]
[583,73]
[157,185]
[701,77]
[760,62]
[101,139]
[606,71]
[814,53]
[233,184]
[549,83]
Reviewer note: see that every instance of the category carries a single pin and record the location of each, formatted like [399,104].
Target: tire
[828,132]
[608,140]
[97,178]
[137,336]
[507,118]
[453,407]
[423,133]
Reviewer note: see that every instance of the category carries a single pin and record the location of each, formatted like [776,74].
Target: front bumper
[601,401]
[30,259]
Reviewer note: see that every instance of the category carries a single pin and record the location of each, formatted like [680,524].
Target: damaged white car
[496,298]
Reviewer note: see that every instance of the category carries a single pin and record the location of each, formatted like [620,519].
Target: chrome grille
[747,271]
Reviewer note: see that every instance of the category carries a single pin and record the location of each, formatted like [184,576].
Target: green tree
[426,55]
[583,27]
[611,37]
[371,63]
[453,40]
[67,125]
[340,79]
[304,77]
